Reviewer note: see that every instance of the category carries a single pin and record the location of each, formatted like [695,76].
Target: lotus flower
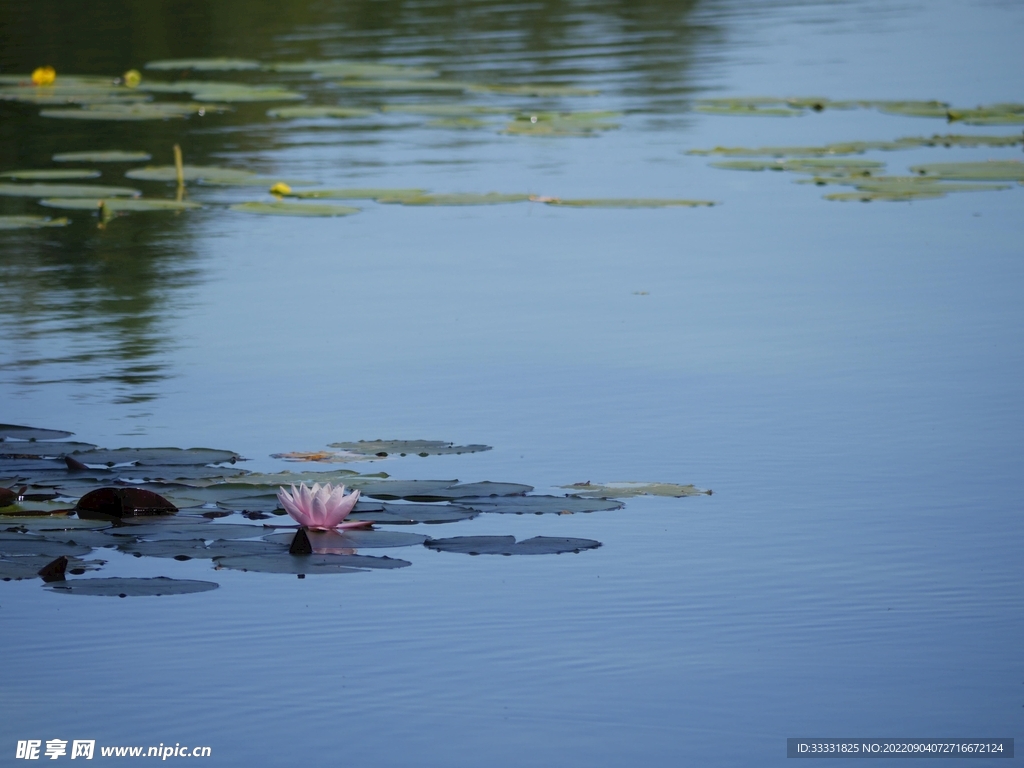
[320,508]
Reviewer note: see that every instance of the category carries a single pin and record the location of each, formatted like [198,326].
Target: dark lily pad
[108,503]
[507,545]
[20,544]
[31,433]
[410,514]
[205,65]
[991,170]
[189,531]
[320,112]
[436,490]
[333,542]
[274,480]
[192,549]
[158,456]
[294,209]
[538,505]
[103,156]
[309,564]
[51,524]
[115,205]
[94,191]
[129,587]
[51,174]
[28,567]
[405,447]
[31,222]
[7,497]
[629,490]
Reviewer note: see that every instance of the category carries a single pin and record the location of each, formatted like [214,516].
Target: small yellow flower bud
[280,189]
[44,76]
[132,78]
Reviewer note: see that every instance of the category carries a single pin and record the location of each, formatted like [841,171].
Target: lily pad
[625,202]
[177,531]
[629,490]
[277,479]
[122,502]
[93,191]
[539,505]
[448,110]
[357,194]
[404,84]
[131,587]
[206,174]
[294,209]
[50,448]
[410,514]
[115,205]
[28,567]
[18,432]
[562,123]
[911,108]
[333,542]
[533,90]
[404,447]
[31,222]
[103,156]
[842,165]
[461,123]
[158,456]
[21,544]
[465,198]
[51,175]
[353,69]
[162,110]
[436,490]
[50,524]
[733,107]
[222,92]
[991,170]
[317,112]
[192,549]
[309,564]
[507,545]
[205,65]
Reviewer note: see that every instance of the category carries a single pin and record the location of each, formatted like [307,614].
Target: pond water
[844,376]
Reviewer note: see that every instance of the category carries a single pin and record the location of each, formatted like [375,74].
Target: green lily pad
[404,447]
[911,108]
[465,198]
[859,147]
[103,156]
[991,170]
[351,69]
[222,92]
[115,205]
[533,90]
[540,505]
[158,456]
[746,108]
[627,202]
[309,564]
[356,194]
[205,65]
[206,174]
[163,110]
[404,84]
[562,123]
[459,123]
[316,112]
[28,567]
[411,514]
[94,191]
[448,110]
[129,587]
[507,545]
[629,490]
[31,222]
[843,165]
[50,448]
[294,209]
[333,542]
[51,175]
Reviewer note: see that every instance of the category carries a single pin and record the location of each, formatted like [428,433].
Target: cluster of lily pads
[63,504]
[832,164]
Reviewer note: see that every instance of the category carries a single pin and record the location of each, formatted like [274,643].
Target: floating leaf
[448,110]
[123,502]
[404,447]
[991,170]
[129,587]
[277,479]
[626,202]
[358,194]
[51,175]
[30,222]
[115,205]
[533,90]
[562,123]
[205,65]
[743,108]
[457,123]
[333,542]
[316,112]
[309,564]
[354,69]
[409,514]
[50,524]
[51,448]
[94,191]
[192,549]
[842,165]
[859,147]
[404,84]
[294,209]
[163,110]
[507,545]
[213,91]
[206,174]
[465,198]
[911,108]
[435,490]
[628,490]
[20,544]
[103,156]
[188,531]
[28,567]
[158,456]
[539,505]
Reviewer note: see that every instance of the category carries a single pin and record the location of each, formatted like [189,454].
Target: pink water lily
[320,508]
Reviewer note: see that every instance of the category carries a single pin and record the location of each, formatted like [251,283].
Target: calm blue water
[846,377]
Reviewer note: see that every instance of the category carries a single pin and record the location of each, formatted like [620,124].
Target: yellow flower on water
[132,78]
[280,189]
[44,76]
